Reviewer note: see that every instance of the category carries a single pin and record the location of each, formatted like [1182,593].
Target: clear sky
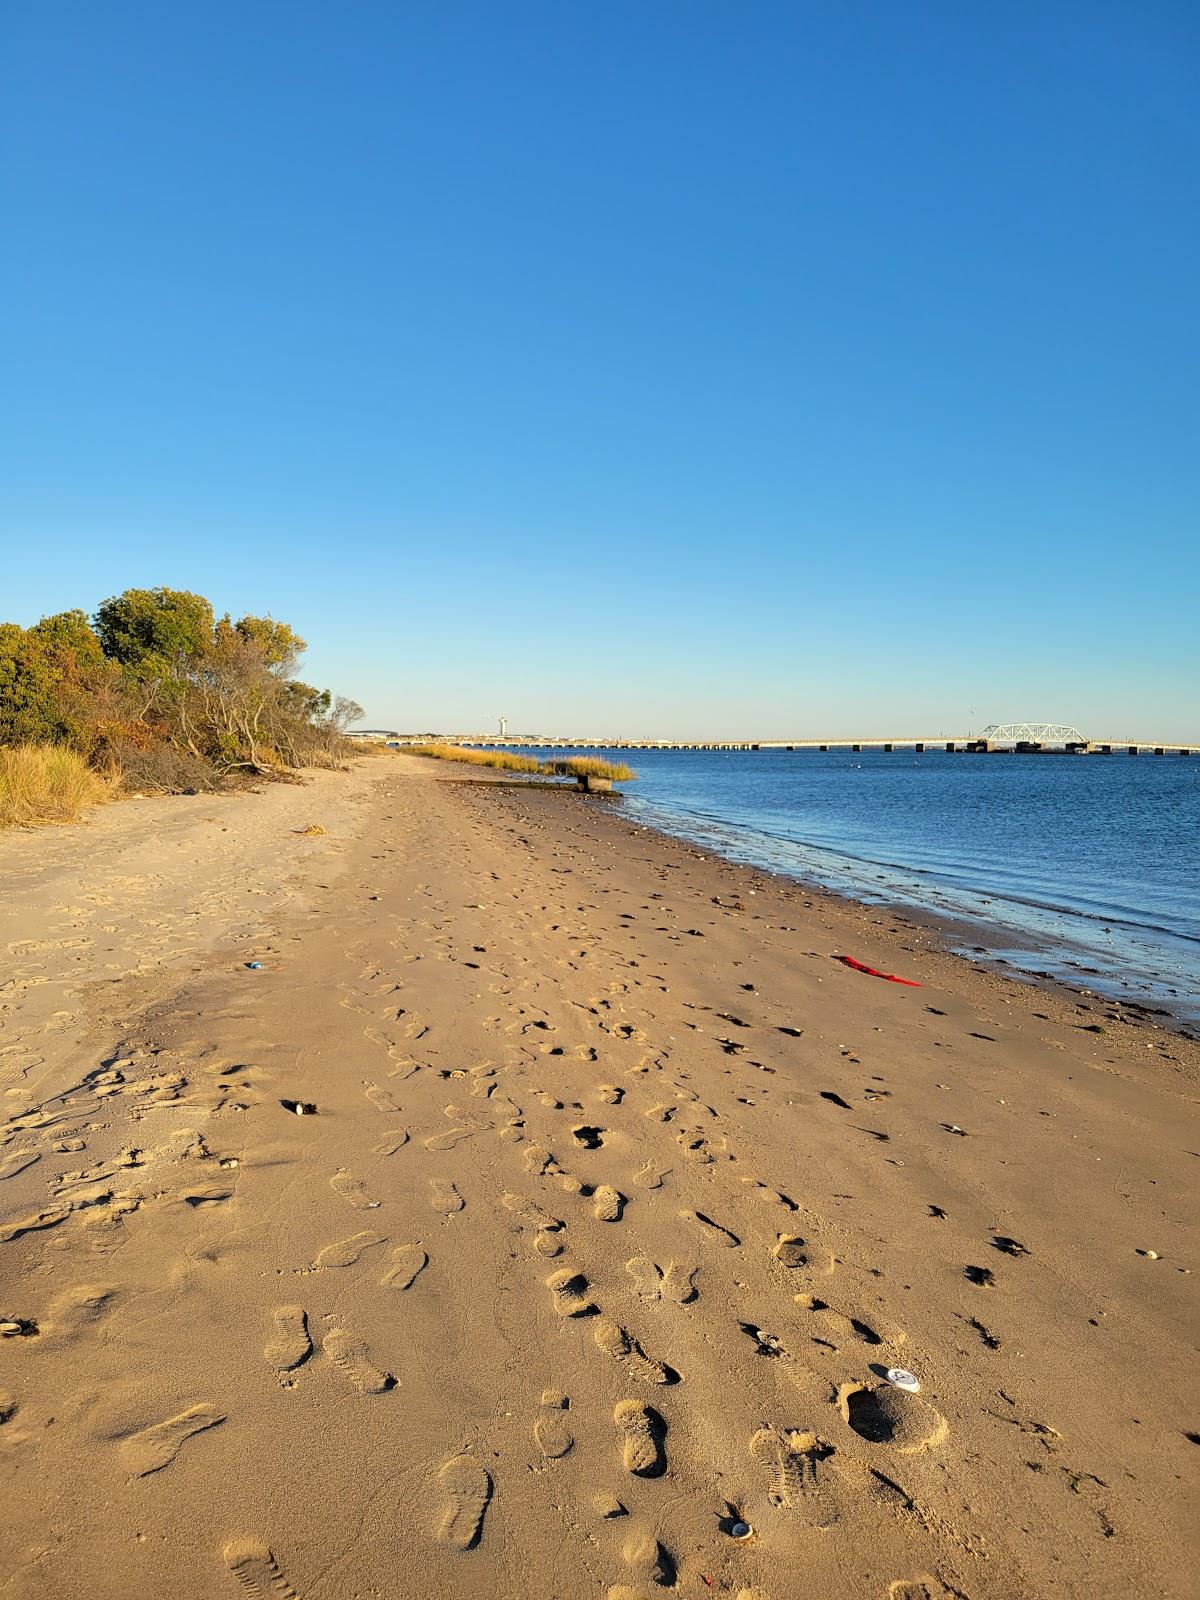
[624,366]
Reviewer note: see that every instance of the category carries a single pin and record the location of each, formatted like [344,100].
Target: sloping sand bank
[617,1200]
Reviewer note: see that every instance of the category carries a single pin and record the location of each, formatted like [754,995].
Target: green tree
[150,629]
[70,637]
[281,645]
[28,680]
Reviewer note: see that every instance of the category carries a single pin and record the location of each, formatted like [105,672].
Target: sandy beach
[612,1198]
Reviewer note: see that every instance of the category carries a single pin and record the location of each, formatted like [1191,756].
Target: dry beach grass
[42,783]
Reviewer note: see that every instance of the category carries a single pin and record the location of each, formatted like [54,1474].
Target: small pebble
[741,1530]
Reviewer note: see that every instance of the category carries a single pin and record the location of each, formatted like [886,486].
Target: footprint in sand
[549,1242]
[408,1260]
[620,1344]
[382,1099]
[290,1346]
[76,1309]
[641,1430]
[32,1224]
[154,1448]
[651,1175]
[445,1196]
[568,1292]
[792,1251]
[537,1159]
[447,1141]
[923,1588]
[554,1438]
[393,1142]
[712,1230]
[648,1558]
[468,1490]
[352,1190]
[608,1203]
[10,1165]
[349,1356]
[345,1252]
[256,1569]
[904,1422]
[652,1283]
[847,1328]
[647,1277]
[792,1462]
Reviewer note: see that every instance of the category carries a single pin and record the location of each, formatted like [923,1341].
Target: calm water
[1085,867]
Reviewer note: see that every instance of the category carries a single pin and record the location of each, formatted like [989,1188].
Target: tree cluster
[159,687]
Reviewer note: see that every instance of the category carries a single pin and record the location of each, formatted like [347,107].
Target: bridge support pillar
[887,747]
[920,749]
[1133,750]
[951,746]
[824,747]
[856,747]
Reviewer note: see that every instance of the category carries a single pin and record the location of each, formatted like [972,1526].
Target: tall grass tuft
[590,767]
[581,768]
[47,783]
[503,760]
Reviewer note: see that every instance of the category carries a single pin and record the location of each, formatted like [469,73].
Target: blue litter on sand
[255,966]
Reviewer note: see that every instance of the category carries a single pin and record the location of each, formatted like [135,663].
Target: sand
[617,1199]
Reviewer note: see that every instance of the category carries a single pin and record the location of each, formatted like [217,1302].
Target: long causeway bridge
[1020,738]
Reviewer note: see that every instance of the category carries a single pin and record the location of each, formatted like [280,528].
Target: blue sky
[628,368]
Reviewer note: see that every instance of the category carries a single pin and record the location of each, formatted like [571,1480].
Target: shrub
[47,783]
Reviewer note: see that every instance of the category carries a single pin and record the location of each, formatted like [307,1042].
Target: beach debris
[302,1108]
[953,1127]
[254,966]
[873,972]
[312,831]
[902,1378]
[1150,1255]
[983,1276]
[740,1530]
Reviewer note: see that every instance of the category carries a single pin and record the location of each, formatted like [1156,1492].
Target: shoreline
[950,935]
[618,1199]
[1003,943]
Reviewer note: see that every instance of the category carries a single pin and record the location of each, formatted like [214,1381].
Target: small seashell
[1150,1255]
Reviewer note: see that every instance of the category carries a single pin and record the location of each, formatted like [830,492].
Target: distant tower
[503,727]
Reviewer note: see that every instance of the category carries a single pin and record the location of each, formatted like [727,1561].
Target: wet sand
[619,1196]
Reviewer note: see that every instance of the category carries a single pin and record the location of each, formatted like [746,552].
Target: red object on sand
[888,977]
